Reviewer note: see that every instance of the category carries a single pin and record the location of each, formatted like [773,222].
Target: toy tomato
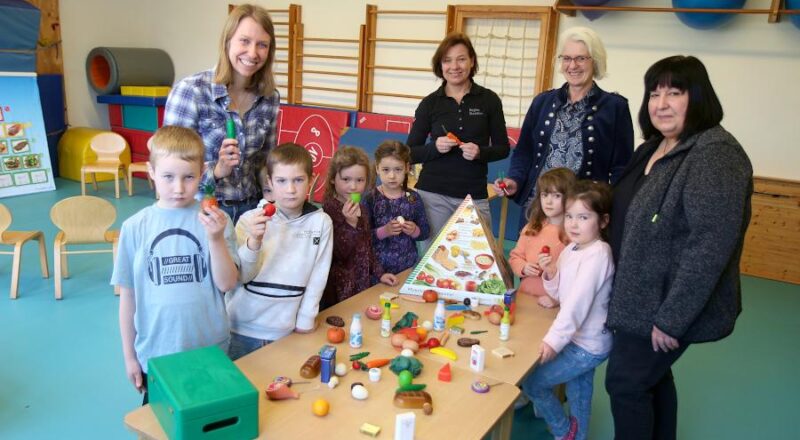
[269,209]
[433,343]
[545,249]
[430,295]
[335,335]
[502,184]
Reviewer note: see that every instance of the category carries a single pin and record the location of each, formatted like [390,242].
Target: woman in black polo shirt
[457,165]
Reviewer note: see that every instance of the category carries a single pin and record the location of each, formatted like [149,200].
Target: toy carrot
[450,135]
[377,363]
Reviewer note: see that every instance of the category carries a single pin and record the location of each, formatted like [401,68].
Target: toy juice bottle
[438,316]
[386,320]
[505,325]
[355,331]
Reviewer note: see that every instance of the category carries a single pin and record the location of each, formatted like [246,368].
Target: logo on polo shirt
[475,112]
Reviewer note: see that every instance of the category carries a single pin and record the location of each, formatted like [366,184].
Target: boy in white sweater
[578,340]
[285,258]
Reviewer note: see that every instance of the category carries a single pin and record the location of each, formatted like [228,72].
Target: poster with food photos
[24,159]
[463,261]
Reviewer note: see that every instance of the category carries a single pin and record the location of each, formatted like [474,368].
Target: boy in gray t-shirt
[175,262]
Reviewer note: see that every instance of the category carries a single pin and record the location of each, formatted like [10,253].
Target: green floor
[62,375]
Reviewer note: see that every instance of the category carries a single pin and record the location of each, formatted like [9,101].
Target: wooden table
[530,325]
[458,411]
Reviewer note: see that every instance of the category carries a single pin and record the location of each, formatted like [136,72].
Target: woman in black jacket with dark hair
[680,212]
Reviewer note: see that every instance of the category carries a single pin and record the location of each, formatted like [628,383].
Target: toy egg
[359,392]
[333,382]
[407,353]
[495,318]
[427,325]
[340,369]
[401,220]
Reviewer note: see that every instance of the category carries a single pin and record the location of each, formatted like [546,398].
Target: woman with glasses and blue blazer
[578,126]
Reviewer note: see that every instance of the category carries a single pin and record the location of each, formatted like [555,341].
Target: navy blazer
[607,132]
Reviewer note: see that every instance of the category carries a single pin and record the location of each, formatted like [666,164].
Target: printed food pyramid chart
[463,261]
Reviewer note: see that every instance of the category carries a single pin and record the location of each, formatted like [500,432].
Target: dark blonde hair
[263,81]
[451,40]
[597,197]
[171,140]
[396,150]
[345,157]
[555,180]
[289,154]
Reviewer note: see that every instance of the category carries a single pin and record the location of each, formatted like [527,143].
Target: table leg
[502,429]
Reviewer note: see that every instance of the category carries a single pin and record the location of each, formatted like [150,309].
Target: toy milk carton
[201,394]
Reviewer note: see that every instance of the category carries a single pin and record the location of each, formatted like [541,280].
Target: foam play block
[137,139]
[201,394]
[115,115]
[131,100]
[154,91]
[74,151]
[140,117]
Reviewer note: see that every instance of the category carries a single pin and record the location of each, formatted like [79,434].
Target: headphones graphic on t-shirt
[178,268]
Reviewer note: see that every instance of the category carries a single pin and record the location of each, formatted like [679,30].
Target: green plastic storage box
[201,394]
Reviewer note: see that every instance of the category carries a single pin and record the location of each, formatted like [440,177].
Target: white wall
[754,65]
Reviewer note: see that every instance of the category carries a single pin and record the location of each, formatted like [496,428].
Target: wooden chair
[139,167]
[81,220]
[18,239]
[108,147]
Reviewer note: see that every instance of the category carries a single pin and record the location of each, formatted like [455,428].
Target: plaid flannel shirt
[198,103]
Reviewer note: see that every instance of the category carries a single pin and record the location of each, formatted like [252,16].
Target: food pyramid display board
[463,261]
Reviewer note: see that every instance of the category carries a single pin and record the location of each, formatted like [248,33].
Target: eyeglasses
[580,59]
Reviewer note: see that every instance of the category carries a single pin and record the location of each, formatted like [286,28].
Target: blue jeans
[575,367]
[242,345]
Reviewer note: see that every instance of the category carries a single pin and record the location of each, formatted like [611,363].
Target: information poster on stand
[24,159]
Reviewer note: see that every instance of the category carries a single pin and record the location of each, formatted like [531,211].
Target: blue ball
[795,18]
[591,15]
[698,20]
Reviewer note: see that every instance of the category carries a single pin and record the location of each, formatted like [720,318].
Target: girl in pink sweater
[578,340]
[543,234]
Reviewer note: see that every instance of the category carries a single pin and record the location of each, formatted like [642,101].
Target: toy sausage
[412,399]
[467,342]
[311,367]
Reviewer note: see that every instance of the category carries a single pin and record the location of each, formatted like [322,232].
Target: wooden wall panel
[772,242]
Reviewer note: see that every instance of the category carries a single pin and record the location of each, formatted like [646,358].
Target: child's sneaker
[521,402]
[573,430]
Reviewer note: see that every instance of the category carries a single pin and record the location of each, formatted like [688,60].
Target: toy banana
[446,352]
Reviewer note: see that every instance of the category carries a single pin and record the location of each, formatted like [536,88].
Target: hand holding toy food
[209,201]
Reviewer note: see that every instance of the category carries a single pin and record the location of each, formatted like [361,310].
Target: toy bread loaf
[311,367]
[412,399]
